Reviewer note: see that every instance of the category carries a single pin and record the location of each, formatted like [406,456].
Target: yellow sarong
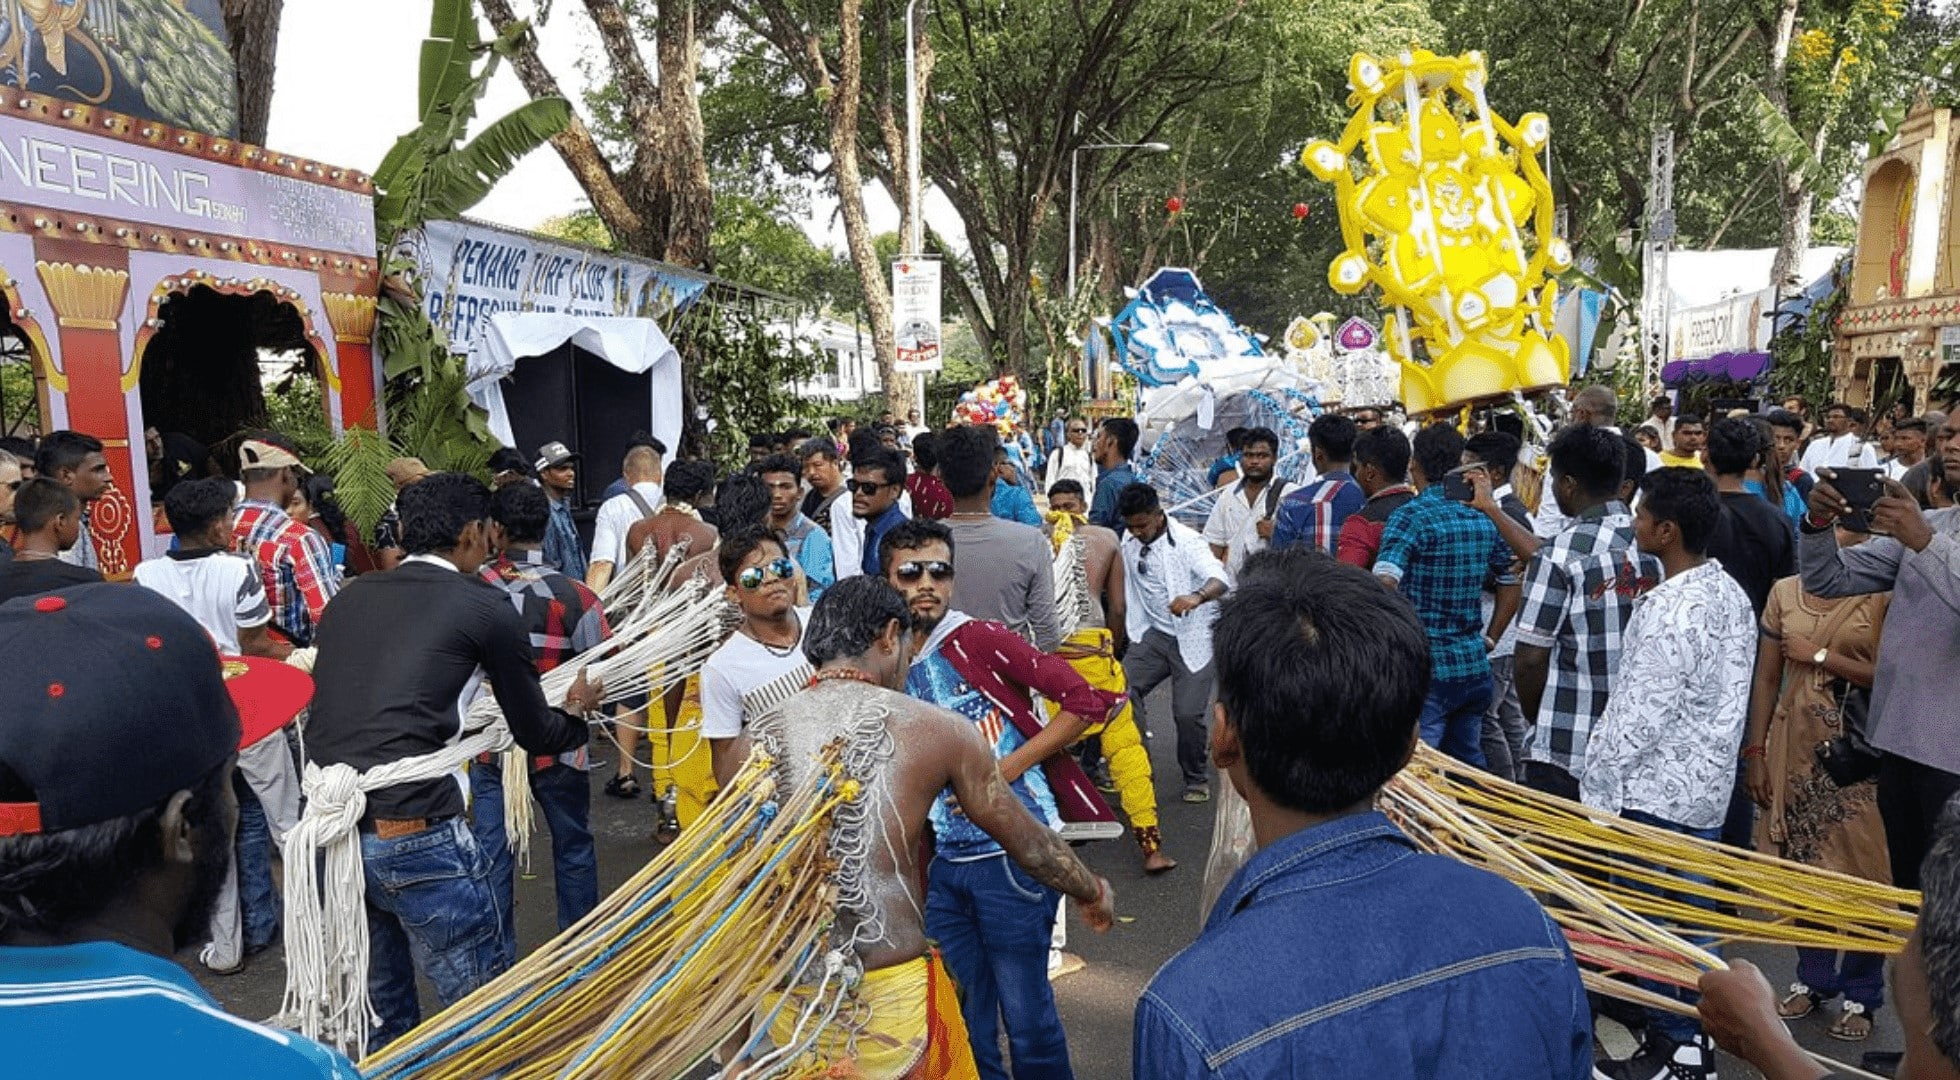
[1091,651]
[680,756]
[911,1028]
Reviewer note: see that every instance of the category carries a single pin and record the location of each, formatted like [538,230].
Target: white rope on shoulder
[664,632]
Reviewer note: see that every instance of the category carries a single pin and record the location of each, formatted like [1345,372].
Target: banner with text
[78,172]
[470,272]
[915,314]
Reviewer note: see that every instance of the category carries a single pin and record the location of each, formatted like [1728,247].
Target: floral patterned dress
[1811,820]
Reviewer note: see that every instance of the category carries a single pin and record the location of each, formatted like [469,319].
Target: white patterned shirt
[1666,744]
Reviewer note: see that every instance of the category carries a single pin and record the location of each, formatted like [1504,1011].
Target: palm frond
[359,464]
[448,55]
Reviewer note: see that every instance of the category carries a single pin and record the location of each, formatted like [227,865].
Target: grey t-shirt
[1005,573]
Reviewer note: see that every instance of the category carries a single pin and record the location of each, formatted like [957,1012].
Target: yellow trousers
[1091,651]
[679,754]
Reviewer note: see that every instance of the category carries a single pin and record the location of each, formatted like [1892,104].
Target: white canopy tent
[632,345]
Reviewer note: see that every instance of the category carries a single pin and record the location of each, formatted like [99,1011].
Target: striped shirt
[1313,515]
[294,563]
[103,1009]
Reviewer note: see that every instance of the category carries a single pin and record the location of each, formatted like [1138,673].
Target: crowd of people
[1704,625]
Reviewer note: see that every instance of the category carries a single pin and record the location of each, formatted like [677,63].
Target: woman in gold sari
[1813,651]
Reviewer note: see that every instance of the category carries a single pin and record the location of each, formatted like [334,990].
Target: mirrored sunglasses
[752,578]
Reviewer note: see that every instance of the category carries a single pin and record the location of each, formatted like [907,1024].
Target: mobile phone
[1860,488]
[1456,484]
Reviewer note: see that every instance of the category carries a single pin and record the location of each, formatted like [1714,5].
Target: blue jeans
[258,901]
[992,922]
[1859,976]
[1676,1027]
[565,796]
[430,909]
[1453,717]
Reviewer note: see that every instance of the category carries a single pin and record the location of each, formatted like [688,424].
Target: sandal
[1854,1024]
[623,787]
[1801,1003]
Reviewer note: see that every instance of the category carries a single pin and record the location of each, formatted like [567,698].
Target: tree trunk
[253,27]
[575,145]
[681,157]
[1793,190]
[843,111]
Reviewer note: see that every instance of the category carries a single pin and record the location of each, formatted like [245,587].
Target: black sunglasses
[911,572]
[868,487]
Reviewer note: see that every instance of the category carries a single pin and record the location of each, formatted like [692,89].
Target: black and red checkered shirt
[561,615]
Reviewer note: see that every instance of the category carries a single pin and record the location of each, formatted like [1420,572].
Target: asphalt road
[1158,917]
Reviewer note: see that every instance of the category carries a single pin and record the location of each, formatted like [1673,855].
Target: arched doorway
[209,353]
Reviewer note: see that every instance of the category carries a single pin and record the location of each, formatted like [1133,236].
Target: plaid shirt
[1578,595]
[1441,552]
[561,615]
[295,564]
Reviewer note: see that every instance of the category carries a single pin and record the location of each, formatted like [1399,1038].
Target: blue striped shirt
[103,1009]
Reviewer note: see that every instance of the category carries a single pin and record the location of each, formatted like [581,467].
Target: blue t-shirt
[103,1009]
[1012,503]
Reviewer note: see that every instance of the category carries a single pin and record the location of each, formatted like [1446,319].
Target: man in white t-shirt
[641,471]
[762,663]
[1241,521]
[1839,447]
[223,592]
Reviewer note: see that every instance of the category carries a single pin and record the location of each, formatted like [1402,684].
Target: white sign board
[1949,345]
[915,314]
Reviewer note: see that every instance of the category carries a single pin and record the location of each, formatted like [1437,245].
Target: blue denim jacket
[1342,951]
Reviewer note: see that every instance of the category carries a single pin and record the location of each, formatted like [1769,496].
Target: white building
[850,370]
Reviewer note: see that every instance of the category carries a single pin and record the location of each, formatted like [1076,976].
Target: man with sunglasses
[876,485]
[761,664]
[992,921]
[1072,460]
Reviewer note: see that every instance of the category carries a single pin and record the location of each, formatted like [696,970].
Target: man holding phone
[1913,724]
[1438,552]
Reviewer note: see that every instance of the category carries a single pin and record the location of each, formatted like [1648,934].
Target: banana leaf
[448,54]
[1782,140]
[461,178]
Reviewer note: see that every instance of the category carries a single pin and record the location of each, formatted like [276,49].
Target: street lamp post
[915,239]
[915,235]
[1074,163]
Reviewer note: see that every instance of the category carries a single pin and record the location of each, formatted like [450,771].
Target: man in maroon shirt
[1381,468]
[930,498]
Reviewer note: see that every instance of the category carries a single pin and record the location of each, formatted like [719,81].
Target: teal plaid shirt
[1441,552]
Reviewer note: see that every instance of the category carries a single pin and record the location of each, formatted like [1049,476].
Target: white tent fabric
[629,344]
[1698,278]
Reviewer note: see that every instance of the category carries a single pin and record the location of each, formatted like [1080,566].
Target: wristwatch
[1818,659]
